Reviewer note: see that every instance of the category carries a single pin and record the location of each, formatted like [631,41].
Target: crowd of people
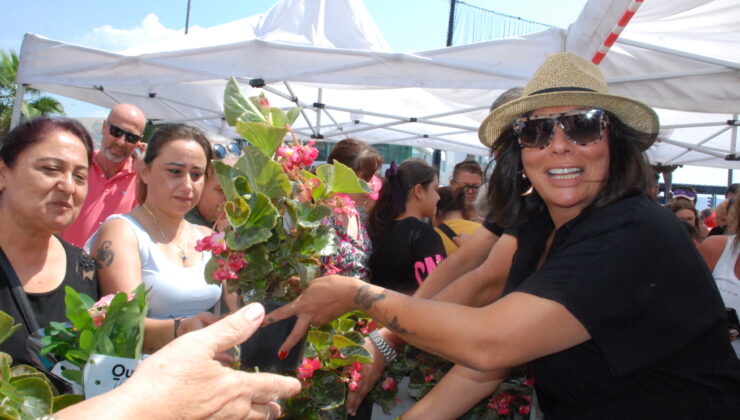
[561,261]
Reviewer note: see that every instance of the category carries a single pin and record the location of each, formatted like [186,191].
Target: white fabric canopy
[329,57]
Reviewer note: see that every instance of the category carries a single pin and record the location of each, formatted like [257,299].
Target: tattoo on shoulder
[395,326]
[365,298]
[104,257]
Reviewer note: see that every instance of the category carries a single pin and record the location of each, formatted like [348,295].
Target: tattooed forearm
[104,257]
[395,326]
[365,298]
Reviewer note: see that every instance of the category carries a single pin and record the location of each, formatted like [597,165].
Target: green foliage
[120,334]
[34,105]
[275,207]
[25,392]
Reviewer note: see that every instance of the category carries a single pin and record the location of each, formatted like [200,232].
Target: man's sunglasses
[220,151]
[581,126]
[470,187]
[116,132]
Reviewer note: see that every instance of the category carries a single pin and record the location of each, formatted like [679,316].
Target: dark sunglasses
[470,187]
[118,132]
[220,151]
[581,126]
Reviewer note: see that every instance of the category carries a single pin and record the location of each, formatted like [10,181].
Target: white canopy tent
[329,57]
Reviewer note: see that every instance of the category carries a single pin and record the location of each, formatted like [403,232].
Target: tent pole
[187,19]
[15,118]
[733,146]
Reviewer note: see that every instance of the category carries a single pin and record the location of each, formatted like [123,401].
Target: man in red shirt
[111,179]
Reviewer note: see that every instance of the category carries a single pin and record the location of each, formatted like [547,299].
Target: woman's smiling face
[566,175]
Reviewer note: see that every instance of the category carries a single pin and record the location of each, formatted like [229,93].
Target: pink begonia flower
[306,369]
[428,378]
[216,243]
[389,384]
[104,301]
[355,375]
[524,409]
[341,203]
[375,184]
[371,326]
[291,157]
[264,103]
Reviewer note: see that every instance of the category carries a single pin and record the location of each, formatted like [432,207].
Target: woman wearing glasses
[607,299]
[154,244]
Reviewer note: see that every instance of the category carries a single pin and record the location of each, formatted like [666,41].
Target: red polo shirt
[105,196]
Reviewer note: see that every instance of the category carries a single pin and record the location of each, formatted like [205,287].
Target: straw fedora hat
[566,79]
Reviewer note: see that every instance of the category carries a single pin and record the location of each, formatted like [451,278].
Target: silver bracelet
[388,352]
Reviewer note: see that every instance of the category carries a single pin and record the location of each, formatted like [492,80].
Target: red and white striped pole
[618,28]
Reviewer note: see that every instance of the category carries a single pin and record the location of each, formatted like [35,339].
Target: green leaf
[340,342]
[309,216]
[319,339]
[341,179]
[317,192]
[355,353]
[264,174]
[293,114]
[211,267]
[77,310]
[63,401]
[7,326]
[87,340]
[226,175]
[257,228]
[327,391]
[237,107]
[346,325]
[266,138]
[237,211]
[36,397]
[278,117]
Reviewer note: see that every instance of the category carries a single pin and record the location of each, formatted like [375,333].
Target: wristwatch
[388,352]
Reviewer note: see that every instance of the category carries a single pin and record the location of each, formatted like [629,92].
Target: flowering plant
[113,326]
[275,205]
[331,366]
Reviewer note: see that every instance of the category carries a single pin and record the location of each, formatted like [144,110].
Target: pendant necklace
[180,252]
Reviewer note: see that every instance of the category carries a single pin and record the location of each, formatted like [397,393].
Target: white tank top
[724,274]
[174,291]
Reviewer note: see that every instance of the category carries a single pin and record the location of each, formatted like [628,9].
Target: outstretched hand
[185,379]
[325,299]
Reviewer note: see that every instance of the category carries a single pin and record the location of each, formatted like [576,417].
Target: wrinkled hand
[371,373]
[325,299]
[185,380]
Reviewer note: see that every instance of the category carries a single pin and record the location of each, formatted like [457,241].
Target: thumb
[232,330]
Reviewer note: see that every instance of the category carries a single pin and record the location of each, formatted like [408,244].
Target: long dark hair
[394,193]
[628,174]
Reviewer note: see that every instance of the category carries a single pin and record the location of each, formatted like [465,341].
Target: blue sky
[408,25]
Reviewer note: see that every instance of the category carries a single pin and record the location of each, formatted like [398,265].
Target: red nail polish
[282,355]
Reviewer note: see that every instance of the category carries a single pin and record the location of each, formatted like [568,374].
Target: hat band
[562,89]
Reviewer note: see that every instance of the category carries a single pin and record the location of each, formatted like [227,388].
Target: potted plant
[275,206]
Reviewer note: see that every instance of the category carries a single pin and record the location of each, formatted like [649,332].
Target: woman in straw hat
[607,298]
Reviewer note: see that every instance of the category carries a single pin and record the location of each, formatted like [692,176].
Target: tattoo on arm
[395,326]
[105,255]
[365,298]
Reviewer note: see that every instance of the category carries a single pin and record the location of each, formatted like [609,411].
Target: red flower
[389,384]
[354,375]
[214,243]
[525,409]
[306,369]
[428,378]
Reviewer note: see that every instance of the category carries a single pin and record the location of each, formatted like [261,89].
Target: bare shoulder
[204,230]
[711,249]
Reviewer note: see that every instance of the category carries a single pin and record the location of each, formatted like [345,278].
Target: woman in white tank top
[154,244]
[721,253]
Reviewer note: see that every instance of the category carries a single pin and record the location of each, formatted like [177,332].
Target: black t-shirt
[406,255]
[49,306]
[631,275]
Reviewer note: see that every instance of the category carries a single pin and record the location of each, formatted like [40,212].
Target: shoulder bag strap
[19,295]
[447,230]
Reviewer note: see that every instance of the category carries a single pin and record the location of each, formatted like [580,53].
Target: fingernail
[254,311]
[282,354]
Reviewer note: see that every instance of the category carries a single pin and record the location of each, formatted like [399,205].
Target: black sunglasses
[220,151]
[118,132]
[471,187]
[581,126]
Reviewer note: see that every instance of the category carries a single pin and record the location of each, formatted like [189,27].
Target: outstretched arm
[497,336]
[459,390]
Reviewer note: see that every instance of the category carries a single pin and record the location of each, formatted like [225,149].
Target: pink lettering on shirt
[424,268]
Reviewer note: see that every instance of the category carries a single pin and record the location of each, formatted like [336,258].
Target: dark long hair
[394,193]
[628,174]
